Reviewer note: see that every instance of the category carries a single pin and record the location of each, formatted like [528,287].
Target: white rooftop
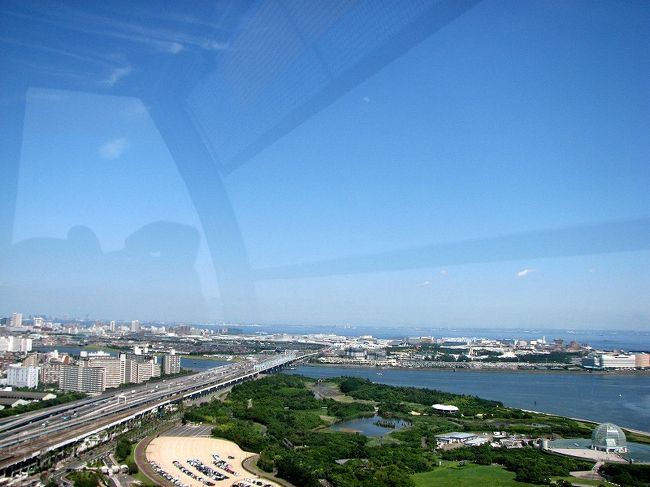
[457,435]
[445,407]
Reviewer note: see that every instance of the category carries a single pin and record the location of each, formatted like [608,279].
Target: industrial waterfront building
[604,361]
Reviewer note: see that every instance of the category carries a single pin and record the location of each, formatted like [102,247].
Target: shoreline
[590,421]
[633,430]
[645,372]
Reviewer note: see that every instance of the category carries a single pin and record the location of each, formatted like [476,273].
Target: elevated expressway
[42,437]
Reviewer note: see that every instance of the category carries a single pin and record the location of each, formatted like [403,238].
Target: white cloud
[425,284]
[444,272]
[366,99]
[212,45]
[117,74]
[525,272]
[113,149]
[175,47]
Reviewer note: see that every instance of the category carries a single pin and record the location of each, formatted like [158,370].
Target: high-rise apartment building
[82,379]
[135,326]
[113,367]
[19,376]
[31,360]
[15,344]
[139,368]
[50,373]
[171,363]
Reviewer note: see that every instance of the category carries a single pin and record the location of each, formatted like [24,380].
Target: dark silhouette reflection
[214,96]
[154,271]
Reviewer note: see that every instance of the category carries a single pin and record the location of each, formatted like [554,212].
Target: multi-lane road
[25,437]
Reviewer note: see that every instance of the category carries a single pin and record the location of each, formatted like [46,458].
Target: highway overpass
[41,438]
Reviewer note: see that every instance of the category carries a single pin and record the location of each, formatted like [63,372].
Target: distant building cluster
[95,372]
[92,372]
[17,323]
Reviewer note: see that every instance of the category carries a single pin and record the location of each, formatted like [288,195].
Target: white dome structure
[608,437]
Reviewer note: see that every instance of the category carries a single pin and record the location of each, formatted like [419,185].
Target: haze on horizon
[449,164]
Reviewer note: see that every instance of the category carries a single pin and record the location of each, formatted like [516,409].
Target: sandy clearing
[165,449]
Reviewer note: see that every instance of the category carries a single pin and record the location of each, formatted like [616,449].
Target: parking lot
[185,456]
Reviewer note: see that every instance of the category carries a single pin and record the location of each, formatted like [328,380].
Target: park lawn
[379,441]
[330,390]
[469,475]
[144,480]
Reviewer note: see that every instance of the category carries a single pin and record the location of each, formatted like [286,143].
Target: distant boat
[380,373]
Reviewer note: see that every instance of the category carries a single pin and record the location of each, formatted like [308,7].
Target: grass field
[470,475]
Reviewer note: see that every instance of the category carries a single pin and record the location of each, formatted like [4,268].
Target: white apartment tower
[82,379]
[135,326]
[171,363]
[19,376]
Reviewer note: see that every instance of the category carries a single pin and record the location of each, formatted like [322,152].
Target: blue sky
[516,117]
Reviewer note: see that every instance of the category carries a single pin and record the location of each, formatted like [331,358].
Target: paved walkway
[588,454]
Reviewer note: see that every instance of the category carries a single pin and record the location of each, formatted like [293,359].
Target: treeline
[627,475]
[397,396]
[528,464]
[124,455]
[550,358]
[86,479]
[122,450]
[349,410]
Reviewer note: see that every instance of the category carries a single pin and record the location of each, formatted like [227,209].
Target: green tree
[123,449]
[133,468]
